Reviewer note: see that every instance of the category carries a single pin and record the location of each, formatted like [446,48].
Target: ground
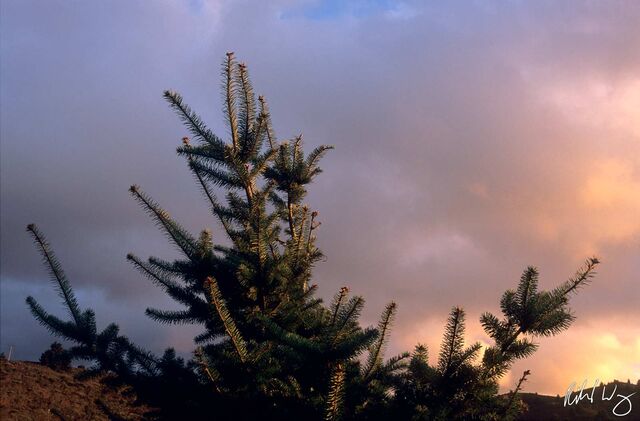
[31,391]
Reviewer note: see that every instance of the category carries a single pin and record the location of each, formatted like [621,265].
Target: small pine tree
[456,388]
[268,347]
[56,357]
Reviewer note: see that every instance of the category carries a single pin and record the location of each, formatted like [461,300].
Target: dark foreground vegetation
[269,349]
[30,391]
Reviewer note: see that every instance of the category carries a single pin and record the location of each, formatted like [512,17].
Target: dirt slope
[30,391]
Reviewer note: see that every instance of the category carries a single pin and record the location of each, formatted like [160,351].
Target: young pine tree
[265,338]
[268,348]
[459,386]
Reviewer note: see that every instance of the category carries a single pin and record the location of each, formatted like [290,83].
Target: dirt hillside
[30,391]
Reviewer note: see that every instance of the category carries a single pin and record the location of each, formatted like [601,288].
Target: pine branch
[215,297]
[421,353]
[376,352]
[192,120]
[213,374]
[335,397]
[397,362]
[170,269]
[348,316]
[217,176]
[292,228]
[230,109]
[173,316]
[247,110]
[468,354]
[57,274]
[337,303]
[209,335]
[453,340]
[175,232]
[264,111]
[315,156]
[509,408]
[216,153]
[353,344]
[304,345]
[547,314]
[68,330]
[582,277]
[527,288]
[177,292]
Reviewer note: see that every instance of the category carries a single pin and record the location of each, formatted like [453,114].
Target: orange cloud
[612,197]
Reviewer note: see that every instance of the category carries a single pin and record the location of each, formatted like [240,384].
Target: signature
[623,401]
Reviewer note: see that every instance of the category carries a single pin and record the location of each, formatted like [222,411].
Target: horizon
[472,140]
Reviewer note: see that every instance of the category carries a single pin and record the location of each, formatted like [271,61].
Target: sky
[472,139]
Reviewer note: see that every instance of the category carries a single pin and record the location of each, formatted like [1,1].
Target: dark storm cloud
[458,159]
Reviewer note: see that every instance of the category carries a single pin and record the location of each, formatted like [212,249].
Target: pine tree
[268,347]
[458,387]
[265,337]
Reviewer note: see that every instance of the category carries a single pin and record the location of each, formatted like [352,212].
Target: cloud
[471,140]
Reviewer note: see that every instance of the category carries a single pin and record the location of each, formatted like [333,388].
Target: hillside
[30,391]
[551,408]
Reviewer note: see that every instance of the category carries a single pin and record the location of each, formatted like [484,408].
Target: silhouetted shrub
[56,358]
